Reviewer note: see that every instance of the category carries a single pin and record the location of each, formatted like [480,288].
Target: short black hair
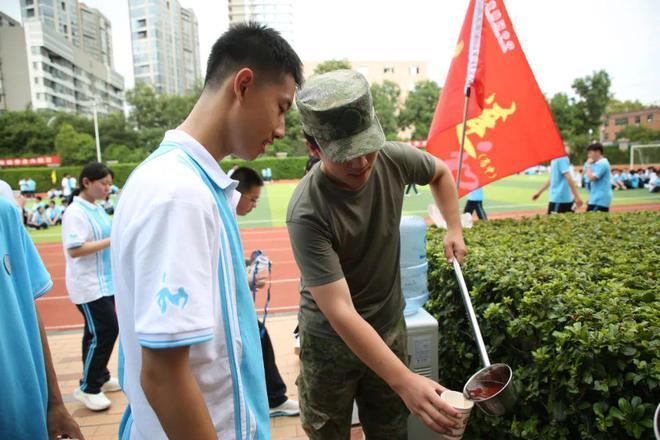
[596,146]
[247,179]
[256,46]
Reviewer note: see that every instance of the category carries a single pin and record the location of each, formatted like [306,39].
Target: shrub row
[572,304]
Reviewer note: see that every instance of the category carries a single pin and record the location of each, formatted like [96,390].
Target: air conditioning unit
[423,355]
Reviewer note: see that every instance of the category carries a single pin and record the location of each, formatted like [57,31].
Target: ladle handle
[470,311]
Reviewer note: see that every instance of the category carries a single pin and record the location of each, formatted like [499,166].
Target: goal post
[645,151]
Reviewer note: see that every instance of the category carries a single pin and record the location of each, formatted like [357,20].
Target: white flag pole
[473,60]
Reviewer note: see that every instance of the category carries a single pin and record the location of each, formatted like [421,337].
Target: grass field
[511,194]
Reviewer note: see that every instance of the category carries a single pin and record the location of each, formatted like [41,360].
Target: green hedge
[571,303]
[286,168]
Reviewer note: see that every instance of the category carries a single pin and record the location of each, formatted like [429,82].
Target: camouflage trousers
[332,377]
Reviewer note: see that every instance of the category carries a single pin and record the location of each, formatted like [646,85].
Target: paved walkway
[65,348]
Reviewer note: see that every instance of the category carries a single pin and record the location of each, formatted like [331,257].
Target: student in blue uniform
[246,198]
[475,202]
[86,240]
[38,218]
[564,195]
[598,171]
[31,406]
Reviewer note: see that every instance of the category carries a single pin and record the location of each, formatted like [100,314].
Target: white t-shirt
[5,190]
[88,278]
[68,185]
[167,241]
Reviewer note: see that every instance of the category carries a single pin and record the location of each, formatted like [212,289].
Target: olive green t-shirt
[354,234]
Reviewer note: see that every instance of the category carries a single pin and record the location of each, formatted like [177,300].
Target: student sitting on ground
[54,213]
[38,218]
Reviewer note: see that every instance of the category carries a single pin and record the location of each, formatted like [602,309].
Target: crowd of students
[625,179]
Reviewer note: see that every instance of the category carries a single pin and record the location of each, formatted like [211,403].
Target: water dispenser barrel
[414,267]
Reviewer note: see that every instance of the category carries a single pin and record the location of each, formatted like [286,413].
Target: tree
[594,96]
[386,100]
[146,110]
[74,148]
[616,106]
[25,133]
[330,65]
[115,129]
[293,143]
[639,134]
[418,110]
[122,153]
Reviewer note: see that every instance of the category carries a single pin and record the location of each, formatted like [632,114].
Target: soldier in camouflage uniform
[343,222]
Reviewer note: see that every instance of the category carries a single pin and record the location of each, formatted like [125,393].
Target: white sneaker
[95,402]
[289,408]
[111,386]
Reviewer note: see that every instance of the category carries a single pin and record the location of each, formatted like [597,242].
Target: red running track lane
[58,312]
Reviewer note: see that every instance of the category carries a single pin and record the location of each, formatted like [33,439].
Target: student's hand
[578,202]
[454,245]
[536,195]
[60,423]
[590,161]
[422,397]
[261,279]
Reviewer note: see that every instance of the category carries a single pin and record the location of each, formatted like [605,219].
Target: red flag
[509,126]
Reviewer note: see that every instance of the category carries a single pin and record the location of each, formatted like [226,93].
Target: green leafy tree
[616,106]
[25,133]
[74,148]
[124,154]
[116,129]
[386,100]
[593,97]
[293,143]
[417,112]
[146,110]
[639,134]
[330,65]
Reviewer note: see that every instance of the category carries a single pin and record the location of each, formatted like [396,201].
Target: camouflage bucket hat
[337,110]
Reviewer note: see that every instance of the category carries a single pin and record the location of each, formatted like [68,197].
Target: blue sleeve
[564,165]
[40,281]
[597,170]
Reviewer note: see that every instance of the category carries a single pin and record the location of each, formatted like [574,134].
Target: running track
[58,313]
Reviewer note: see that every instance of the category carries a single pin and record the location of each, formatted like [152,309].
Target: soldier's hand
[455,245]
[422,397]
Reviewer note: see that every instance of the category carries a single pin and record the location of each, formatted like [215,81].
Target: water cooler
[422,327]
[423,355]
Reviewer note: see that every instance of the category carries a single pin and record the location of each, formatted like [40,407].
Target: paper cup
[463,406]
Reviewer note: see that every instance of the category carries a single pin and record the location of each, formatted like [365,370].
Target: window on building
[29,13]
[621,121]
[63,5]
[414,70]
[29,2]
[649,118]
[142,22]
[388,69]
[36,80]
[638,119]
[142,34]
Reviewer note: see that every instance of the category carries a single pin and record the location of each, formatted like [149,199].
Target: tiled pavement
[66,346]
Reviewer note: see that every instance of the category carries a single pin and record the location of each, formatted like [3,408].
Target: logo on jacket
[165,296]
